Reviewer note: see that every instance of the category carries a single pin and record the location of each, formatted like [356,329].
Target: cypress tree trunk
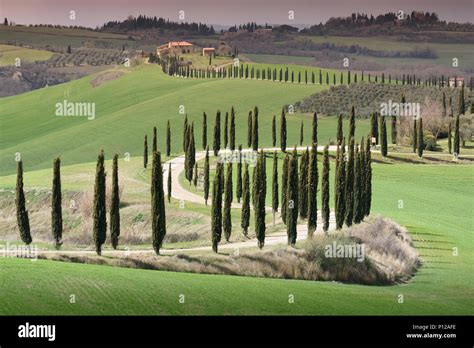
[56,210]
[420,142]
[249,129]
[145,153]
[255,130]
[349,188]
[204,131]
[325,211]
[168,139]
[227,222]
[450,136]
[301,133]
[226,130]
[245,218]
[313,191]
[259,208]
[352,123]
[274,131]
[340,133]
[383,134]
[456,136]
[206,176]
[358,214]
[217,134]
[115,205]
[368,179]
[170,183]
[292,196]
[239,175]
[216,216]
[303,186]
[232,129]
[275,185]
[314,133]
[99,212]
[394,130]
[415,136]
[340,187]
[155,144]
[21,212]
[283,130]
[284,188]
[158,217]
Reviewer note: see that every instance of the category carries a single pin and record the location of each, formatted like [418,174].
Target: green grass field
[8,55]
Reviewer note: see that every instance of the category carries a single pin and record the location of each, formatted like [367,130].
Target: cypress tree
[99,213]
[115,205]
[283,130]
[158,218]
[450,106]
[352,123]
[383,134]
[368,179]
[303,186]
[217,133]
[255,130]
[56,210]
[456,136]
[312,191]
[284,188]
[227,222]
[239,175]
[415,136]
[216,216]
[443,103]
[145,153]
[275,185]
[274,131]
[358,204]
[168,139]
[340,187]
[349,188]
[185,133]
[204,131]
[314,133]
[363,194]
[340,133]
[394,130]
[450,136]
[22,218]
[226,130]
[259,207]
[170,183]
[249,129]
[301,133]
[245,218]
[325,211]
[462,103]
[374,128]
[232,129]
[292,196]
[195,176]
[206,176]
[155,141]
[420,141]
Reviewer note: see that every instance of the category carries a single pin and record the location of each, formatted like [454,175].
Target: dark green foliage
[340,133]
[115,205]
[170,183]
[325,211]
[349,188]
[462,103]
[204,131]
[98,210]
[450,136]
[415,136]
[206,176]
[190,154]
[216,214]
[456,136]
[420,142]
[239,175]
[352,126]
[217,134]
[312,190]
[394,130]
[358,204]
[168,139]
[155,141]
[260,192]
[283,130]
[274,131]
[284,188]
[56,210]
[195,176]
[303,185]
[292,196]
[249,129]
[255,130]
[226,130]
[145,153]
[314,132]
[383,136]
[374,127]
[245,218]
[227,222]
[232,129]
[21,212]
[158,217]
[340,187]
[185,133]
[368,179]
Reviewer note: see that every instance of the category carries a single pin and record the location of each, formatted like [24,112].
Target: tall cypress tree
[232,129]
[158,218]
[450,136]
[168,139]
[249,129]
[195,176]
[358,204]
[204,131]
[145,153]
[415,136]
[292,196]
[420,142]
[301,133]
[22,218]
[456,136]
[462,103]
[239,174]
[284,188]
[374,127]
[185,133]
[115,205]
[383,135]
[283,130]
[313,191]
[394,130]
[314,133]
[245,218]
[227,222]
[259,207]
[340,133]
[275,184]
[216,218]
[303,186]
[217,134]
[274,131]
[255,130]
[226,130]
[340,187]
[325,211]
[443,104]
[206,176]
[155,141]
[99,213]
[368,179]
[363,191]
[56,210]
[349,188]
[170,183]
[352,123]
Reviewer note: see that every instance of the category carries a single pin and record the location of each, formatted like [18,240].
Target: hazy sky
[226,12]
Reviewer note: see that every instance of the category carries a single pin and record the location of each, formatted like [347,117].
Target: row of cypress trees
[155,143]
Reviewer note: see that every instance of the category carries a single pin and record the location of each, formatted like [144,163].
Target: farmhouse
[208,51]
[175,47]
[456,81]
